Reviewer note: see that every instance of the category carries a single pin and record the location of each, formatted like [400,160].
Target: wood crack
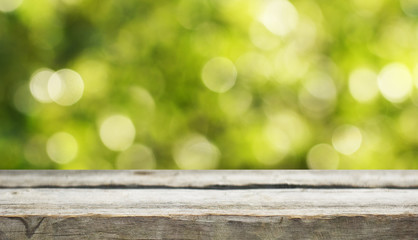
[214,187]
[31,226]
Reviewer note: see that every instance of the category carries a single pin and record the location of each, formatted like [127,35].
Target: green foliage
[208,84]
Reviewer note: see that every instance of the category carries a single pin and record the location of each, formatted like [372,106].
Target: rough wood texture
[208,205]
[210,179]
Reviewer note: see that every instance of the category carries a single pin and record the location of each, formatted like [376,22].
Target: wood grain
[211,227]
[208,205]
[211,178]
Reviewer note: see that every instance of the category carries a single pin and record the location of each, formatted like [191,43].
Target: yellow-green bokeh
[208,84]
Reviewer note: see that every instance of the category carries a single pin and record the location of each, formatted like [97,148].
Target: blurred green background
[208,84]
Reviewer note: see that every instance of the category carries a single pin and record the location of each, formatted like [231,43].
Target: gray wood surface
[210,178]
[208,204]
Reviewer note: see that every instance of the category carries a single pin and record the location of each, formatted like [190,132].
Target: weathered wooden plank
[208,205]
[208,179]
[166,202]
[209,227]
[208,214]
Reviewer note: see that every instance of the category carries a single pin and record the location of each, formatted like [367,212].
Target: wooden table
[247,204]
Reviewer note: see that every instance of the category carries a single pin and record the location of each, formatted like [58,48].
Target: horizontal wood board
[170,204]
[211,178]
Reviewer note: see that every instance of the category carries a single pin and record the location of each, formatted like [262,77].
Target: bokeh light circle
[322,156]
[395,82]
[9,5]
[38,85]
[196,152]
[219,74]
[347,139]
[117,132]
[65,87]
[279,16]
[363,85]
[322,87]
[62,147]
